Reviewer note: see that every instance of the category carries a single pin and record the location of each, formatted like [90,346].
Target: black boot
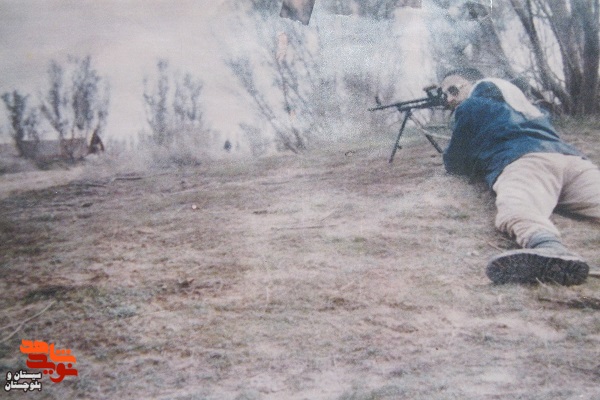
[545,259]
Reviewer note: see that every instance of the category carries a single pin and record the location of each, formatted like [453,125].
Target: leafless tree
[169,114]
[76,104]
[156,102]
[177,125]
[571,77]
[186,104]
[23,119]
[575,27]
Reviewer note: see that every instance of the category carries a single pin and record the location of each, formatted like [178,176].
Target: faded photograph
[300,199]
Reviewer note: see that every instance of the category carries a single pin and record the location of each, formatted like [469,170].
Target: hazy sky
[125,39]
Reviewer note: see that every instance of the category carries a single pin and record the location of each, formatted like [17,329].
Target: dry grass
[331,275]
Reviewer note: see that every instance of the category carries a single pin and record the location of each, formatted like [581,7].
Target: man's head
[457,84]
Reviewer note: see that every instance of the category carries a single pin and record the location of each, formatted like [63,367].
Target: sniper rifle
[435,98]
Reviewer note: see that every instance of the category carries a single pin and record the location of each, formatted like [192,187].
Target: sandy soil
[330,275]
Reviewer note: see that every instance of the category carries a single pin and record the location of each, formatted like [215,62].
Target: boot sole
[528,266]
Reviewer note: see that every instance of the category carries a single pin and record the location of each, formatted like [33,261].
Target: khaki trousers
[530,188]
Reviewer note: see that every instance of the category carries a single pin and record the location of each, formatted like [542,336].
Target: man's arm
[457,158]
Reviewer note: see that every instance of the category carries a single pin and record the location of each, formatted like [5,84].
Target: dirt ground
[327,275]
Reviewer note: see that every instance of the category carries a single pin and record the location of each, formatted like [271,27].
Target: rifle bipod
[407,115]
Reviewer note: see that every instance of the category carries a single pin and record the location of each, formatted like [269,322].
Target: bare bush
[258,143]
[300,82]
[377,9]
[288,135]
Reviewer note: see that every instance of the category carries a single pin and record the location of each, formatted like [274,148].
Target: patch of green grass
[386,392]
[456,213]
[123,311]
[58,292]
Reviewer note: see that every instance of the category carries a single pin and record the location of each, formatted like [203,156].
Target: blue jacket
[488,135]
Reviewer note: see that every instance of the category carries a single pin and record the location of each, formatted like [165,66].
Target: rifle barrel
[426,102]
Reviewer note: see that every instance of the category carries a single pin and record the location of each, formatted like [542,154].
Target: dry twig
[25,321]
[581,302]
[494,246]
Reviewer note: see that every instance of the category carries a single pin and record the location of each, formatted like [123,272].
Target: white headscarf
[514,97]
